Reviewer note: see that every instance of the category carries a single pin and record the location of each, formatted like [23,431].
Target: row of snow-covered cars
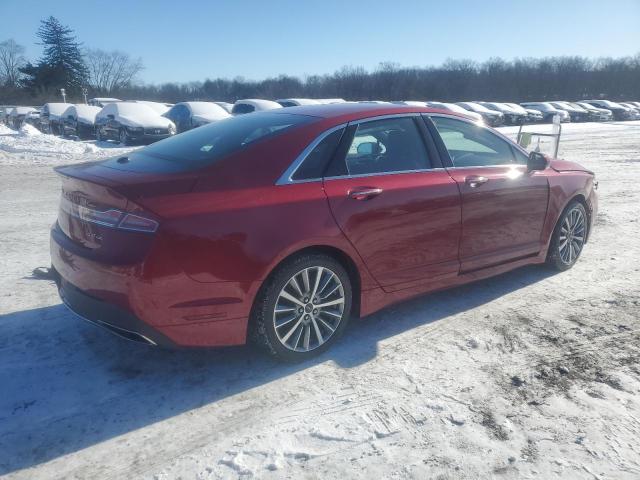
[145,122]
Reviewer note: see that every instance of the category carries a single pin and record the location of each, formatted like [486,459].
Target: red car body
[221,230]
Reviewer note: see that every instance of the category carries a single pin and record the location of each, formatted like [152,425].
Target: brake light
[109,218]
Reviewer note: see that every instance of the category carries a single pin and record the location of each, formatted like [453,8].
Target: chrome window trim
[380,174]
[486,127]
[286,177]
[384,117]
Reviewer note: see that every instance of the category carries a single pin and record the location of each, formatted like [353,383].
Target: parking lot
[532,373]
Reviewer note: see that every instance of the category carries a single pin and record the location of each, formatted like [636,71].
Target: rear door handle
[474,181]
[364,193]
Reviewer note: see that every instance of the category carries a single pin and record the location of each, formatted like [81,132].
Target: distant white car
[295,102]
[80,121]
[452,107]
[51,117]
[250,105]
[188,115]
[130,122]
[330,100]
[17,115]
[160,108]
[102,101]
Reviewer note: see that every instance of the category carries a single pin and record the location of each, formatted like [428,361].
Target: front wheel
[569,237]
[124,138]
[303,308]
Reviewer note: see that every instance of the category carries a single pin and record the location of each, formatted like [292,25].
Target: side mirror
[537,161]
[366,148]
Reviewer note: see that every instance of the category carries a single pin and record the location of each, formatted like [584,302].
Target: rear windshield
[206,145]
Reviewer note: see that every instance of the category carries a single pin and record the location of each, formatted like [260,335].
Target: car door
[503,204]
[394,202]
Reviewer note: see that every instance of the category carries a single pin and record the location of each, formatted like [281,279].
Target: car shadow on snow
[67,385]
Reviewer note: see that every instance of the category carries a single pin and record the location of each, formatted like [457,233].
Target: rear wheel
[568,237]
[303,308]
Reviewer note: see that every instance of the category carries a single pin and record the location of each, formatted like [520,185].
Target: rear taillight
[109,218]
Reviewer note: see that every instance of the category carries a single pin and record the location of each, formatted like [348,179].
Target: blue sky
[183,40]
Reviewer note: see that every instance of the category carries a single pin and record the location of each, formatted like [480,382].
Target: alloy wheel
[572,235]
[309,309]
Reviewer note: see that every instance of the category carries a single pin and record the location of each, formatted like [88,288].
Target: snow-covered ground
[530,375]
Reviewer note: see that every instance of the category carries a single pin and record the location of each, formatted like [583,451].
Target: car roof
[350,111]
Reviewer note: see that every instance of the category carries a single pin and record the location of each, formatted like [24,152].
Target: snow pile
[29,130]
[30,146]
[4,130]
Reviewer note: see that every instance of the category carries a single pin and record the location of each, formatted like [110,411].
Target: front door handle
[364,193]
[474,181]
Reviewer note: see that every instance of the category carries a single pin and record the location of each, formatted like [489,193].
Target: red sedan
[280,226]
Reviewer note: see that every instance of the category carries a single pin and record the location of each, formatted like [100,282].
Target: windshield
[134,109]
[206,145]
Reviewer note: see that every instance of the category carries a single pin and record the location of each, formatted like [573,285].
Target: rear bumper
[107,315]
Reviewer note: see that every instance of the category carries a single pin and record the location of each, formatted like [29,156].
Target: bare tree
[11,60]
[109,71]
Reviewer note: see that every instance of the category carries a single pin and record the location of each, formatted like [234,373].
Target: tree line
[65,63]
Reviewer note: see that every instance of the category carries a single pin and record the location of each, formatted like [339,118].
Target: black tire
[262,329]
[123,137]
[99,137]
[555,258]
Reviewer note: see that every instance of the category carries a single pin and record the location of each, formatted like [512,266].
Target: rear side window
[208,144]
[470,145]
[315,163]
[386,146]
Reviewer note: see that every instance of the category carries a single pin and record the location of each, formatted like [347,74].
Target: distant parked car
[491,117]
[637,104]
[33,119]
[250,105]
[577,113]
[80,121]
[226,105]
[17,116]
[532,115]
[595,114]
[294,102]
[548,111]
[102,101]
[511,116]
[51,117]
[619,112]
[129,122]
[635,109]
[452,107]
[188,115]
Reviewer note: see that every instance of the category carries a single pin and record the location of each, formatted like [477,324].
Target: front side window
[472,146]
[386,146]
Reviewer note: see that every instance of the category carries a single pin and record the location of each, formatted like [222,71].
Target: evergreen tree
[61,65]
